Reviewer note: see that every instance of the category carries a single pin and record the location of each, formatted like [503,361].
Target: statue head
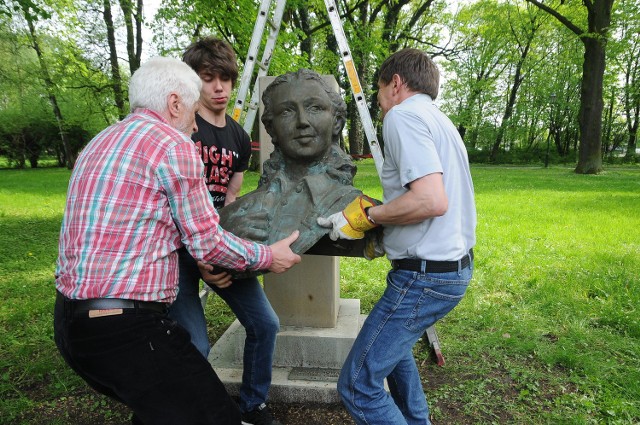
[303,115]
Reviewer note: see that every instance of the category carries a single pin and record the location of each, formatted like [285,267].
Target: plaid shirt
[135,196]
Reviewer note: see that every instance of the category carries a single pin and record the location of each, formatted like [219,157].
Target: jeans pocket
[437,298]
[169,342]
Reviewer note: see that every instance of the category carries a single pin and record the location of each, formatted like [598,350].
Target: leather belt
[428,266]
[98,307]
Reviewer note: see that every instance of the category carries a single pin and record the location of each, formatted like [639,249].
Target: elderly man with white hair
[137,195]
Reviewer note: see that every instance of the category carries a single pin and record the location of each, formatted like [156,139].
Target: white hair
[152,83]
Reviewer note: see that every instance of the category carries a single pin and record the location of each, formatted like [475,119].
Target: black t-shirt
[224,151]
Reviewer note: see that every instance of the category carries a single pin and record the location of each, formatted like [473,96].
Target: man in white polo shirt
[429,221]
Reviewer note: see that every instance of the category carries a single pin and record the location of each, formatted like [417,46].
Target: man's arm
[233,188]
[426,198]
[283,260]
[180,177]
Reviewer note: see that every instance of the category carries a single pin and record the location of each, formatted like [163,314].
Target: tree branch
[563,19]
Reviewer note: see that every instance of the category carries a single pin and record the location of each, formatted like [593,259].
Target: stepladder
[270,17]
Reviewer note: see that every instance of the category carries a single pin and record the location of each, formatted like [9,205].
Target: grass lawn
[549,331]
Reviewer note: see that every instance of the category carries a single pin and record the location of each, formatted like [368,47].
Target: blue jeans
[247,300]
[383,349]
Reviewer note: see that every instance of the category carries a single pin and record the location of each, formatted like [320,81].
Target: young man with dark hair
[225,150]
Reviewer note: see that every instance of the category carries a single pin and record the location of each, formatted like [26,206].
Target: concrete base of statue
[307,360]
[317,330]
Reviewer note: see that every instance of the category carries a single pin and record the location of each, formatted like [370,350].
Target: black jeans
[146,361]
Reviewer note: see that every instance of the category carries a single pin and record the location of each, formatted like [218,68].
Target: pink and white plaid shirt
[136,195]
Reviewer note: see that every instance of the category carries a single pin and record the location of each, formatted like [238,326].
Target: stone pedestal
[307,294]
[307,360]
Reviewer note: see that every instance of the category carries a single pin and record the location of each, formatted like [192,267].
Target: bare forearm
[233,189]
[425,199]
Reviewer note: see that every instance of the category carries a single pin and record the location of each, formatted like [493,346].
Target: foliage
[500,97]
[623,104]
[28,126]
[547,333]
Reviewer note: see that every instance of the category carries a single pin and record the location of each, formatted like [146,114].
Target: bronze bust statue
[307,175]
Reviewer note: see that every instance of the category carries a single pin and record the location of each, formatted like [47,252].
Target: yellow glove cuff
[357,217]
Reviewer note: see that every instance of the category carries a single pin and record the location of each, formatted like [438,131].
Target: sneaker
[259,416]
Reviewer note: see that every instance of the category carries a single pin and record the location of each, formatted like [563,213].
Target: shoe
[259,416]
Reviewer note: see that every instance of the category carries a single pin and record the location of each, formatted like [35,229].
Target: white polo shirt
[419,140]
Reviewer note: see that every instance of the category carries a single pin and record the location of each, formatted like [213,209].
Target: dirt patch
[87,407]
[458,393]
[93,409]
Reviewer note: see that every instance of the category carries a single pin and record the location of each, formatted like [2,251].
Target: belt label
[103,313]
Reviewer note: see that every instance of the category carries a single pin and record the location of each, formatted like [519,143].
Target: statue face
[303,120]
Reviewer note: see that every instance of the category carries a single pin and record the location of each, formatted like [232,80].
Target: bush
[519,157]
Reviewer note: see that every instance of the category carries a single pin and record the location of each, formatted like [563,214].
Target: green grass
[549,331]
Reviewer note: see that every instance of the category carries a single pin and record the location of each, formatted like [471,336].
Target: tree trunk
[463,131]
[134,38]
[508,111]
[139,20]
[127,11]
[513,92]
[608,123]
[631,108]
[306,44]
[113,60]
[356,132]
[591,104]
[70,155]
[632,142]
[591,107]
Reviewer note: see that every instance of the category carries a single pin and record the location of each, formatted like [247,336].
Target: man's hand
[283,257]
[350,223]
[211,277]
